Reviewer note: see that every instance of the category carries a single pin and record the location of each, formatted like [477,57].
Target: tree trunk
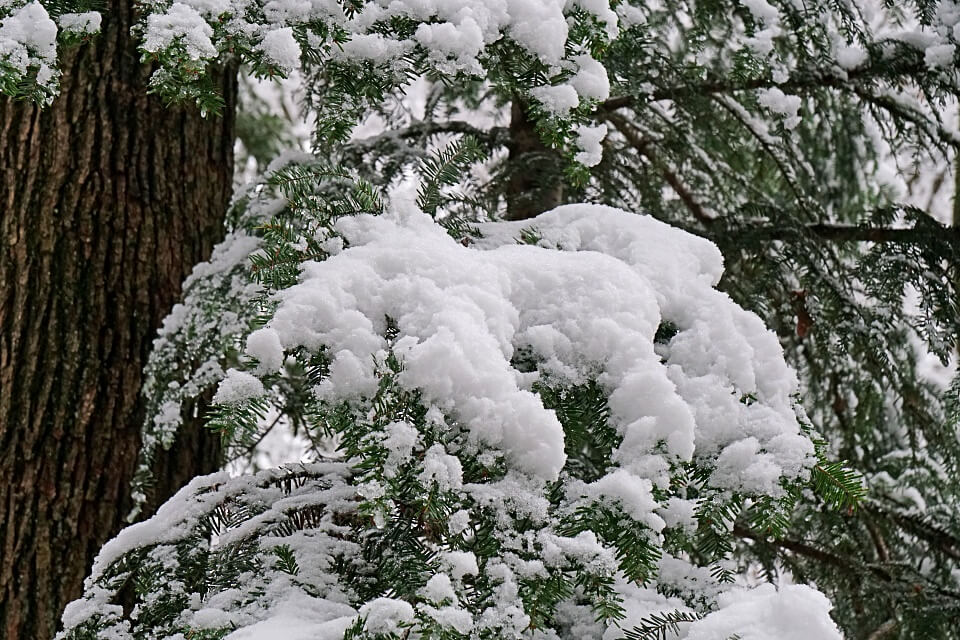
[535,182]
[107,199]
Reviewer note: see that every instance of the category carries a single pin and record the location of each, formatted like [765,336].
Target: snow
[209,8]
[590,80]
[183,25]
[719,354]
[940,56]
[439,588]
[264,345]
[28,37]
[794,612]
[299,618]
[401,439]
[237,386]
[633,493]
[463,43]
[440,469]
[604,13]
[459,521]
[233,251]
[30,27]
[557,100]
[589,139]
[81,23]
[386,615]
[371,46]
[459,563]
[741,464]
[539,26]
[778,102]
[850,57]
[762,11]
[280,48]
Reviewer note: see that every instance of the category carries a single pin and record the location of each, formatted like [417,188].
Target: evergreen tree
[758,125]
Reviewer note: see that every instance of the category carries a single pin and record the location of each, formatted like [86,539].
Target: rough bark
[107,199]
[535,181]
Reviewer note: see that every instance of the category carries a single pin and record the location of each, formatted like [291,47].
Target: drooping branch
[763,231]
[944,541]
[645,149]
[806,550]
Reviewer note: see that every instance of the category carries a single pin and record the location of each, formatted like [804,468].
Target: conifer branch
[644,148]
[947,543]
[657,626]
[815,79]
[857,233]
[885,630]
[807,550]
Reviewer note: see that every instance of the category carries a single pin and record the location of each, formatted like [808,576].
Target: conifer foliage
[522,448]
[558,427]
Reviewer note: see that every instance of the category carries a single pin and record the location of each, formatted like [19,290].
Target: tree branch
[644,149]
[947,543]
[858,233]
[885,630]
[806,550]
[812,80]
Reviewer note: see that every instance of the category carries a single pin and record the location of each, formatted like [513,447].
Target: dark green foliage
[589,439]
[444,168]
[658,626]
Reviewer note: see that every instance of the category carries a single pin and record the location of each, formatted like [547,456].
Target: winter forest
[479,320]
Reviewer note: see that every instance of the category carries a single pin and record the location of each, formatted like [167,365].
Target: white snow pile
[85,23]
[719,389]
[182,26]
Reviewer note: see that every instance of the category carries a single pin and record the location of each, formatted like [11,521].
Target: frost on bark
[107,199]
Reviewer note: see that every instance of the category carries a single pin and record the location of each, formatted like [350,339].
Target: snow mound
[719,387]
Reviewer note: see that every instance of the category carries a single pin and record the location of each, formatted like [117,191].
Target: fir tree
[759,126]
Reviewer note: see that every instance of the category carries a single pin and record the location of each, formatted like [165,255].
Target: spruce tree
[426,366]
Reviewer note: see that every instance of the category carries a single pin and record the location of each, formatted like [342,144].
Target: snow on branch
[475,492]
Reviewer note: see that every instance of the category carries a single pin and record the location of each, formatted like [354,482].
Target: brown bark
[535,181]
[107,199]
